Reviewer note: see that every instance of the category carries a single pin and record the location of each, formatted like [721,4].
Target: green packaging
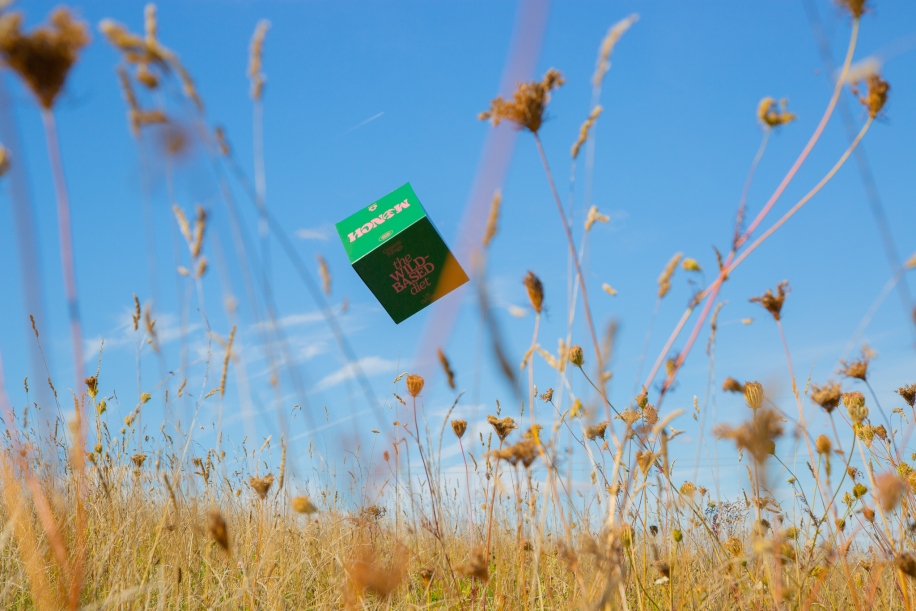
[399,254]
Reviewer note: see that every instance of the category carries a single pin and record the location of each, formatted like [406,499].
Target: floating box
[399,254]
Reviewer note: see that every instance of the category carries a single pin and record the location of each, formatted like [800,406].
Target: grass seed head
[447,368]
[583,136]
[526,108]
[92,386]
[535,291]
[664,281]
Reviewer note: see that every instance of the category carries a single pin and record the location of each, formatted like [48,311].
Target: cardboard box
[399,254]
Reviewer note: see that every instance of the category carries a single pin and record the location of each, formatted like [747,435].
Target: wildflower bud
[678,536]
[385,455]
[575,355]
[101,407]
[869,514]
[822,444]
[753,394]
[859,491]
[414,385]
[459,427]
[97,448]
[691,265]
[851,399]
[535,291]
[145,397]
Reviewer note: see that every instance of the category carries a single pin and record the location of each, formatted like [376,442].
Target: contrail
[358,125]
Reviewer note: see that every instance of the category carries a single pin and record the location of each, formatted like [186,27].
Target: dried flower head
[876,96]
[526,109]
[822,444]
[575,355]
[856,369]
[92,386]
[753,394]
[414,385]
[889,489]
[906,563]
[476,566]
[426,575]
[772,114]
[547,397]
[459,427]
[218,530]
[855,406]
[302,504]
[368,574]
[525,452]
[44,57]
[827,396]
[856,8]
[908,393]
[597,430]
[502,427]
[757,436]
[732,385]
[773,303]
[535,291]
[261,485]
[664,281]
[138,459]
[595,217]
[646,460]
[583,134]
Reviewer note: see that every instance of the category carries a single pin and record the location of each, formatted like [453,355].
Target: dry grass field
[109,513]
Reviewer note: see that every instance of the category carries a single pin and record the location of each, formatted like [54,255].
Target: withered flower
[827,396]
[908,393]
[526,108]
[857,369]
[597,430]
[757,436]
[138,459]
[876,96]
[459,427]
[525,452]
[822,444]
[502,426]
[856,8]
[773,303]
[261,485]
[535,291]
[645,460]
[92,386]
[476,566]
[217,528]
[302,504]
[772,114]
[44,57]
[426,575]
[414,385]
[906,562]
[732,385]
[547,397]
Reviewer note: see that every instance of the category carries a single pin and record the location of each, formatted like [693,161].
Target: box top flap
[366,230]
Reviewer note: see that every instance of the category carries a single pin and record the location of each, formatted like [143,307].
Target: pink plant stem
[713,291]
[467,477]
[66,246]
[572,248]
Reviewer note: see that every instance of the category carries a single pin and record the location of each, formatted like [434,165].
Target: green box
[399,254]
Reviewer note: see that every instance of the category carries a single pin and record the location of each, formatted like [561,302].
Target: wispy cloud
[370,366]
[322,233]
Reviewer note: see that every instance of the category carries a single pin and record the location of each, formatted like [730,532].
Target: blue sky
[362,97]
